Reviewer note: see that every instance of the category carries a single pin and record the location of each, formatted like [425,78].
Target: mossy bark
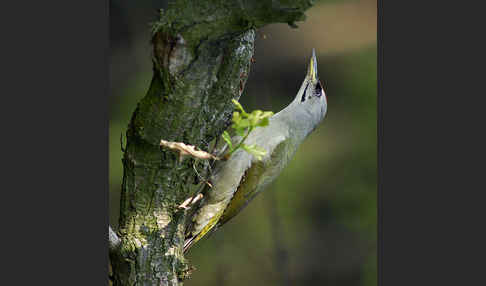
[202,54]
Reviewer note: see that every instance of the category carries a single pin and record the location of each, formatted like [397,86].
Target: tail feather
[206,232]
[188,243]
[192,236]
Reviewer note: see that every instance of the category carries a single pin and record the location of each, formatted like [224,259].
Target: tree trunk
[202,52]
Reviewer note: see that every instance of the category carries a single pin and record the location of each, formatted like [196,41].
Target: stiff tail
[208,229]
[188,243]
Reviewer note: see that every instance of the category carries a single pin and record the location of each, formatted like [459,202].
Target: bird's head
[311,96]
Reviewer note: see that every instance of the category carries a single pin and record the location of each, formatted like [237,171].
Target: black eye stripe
[318,90]
[303,94]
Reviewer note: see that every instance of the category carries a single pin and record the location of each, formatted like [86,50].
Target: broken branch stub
[188,150]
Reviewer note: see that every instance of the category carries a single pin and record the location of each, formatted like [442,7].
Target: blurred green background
[317,223]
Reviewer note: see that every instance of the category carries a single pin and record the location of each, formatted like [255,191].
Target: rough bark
[202,52]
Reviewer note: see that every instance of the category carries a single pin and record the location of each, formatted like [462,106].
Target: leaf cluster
[243,124]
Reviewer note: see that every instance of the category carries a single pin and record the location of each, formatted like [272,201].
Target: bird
[236,181]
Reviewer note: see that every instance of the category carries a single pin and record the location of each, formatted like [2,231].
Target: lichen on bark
[202,54]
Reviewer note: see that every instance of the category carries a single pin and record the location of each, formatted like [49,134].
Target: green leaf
[236,117]
[255,150]
[260,118]
[227,139]
[256,113]
[241,126]
[264,122]
[267,114]
[240,131]
[243,123]
[254,117]
[238,105]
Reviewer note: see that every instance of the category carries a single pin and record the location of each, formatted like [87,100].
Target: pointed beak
[312,70]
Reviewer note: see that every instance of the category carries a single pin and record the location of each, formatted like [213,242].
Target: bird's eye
[318,89]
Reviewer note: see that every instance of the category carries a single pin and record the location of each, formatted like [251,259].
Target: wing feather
[239,180]
[256,178]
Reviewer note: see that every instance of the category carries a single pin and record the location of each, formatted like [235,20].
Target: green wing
[255,179]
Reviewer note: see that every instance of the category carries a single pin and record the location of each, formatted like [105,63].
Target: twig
[187,150]
[190,201]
